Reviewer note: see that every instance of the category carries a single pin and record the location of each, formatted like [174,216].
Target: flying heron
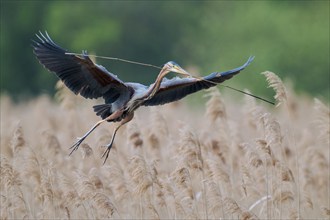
[82,76]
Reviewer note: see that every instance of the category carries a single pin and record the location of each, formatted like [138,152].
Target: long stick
[117,59]
[157,67]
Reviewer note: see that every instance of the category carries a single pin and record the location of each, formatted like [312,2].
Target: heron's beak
[178,69]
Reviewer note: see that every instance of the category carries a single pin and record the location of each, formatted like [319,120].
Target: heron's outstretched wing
[177,88]
[79,74]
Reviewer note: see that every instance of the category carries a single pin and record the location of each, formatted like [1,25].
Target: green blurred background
[290,38]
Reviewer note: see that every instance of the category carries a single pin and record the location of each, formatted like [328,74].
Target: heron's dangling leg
[113,116]
[124,121]
[75,146]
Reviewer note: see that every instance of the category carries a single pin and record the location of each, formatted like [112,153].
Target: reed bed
[228,160]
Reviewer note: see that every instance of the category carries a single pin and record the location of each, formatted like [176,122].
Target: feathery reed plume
[140,174]
[152,210]
[117,182]
[266,151]
[134,134]
[249,109]
[85,187]
[9,176]
[69,193]
[272,130]
[154,142]
[184,194]
[45,191]
[52,142]
[32,167]
[283,193]
[285,172]
[104,205]
[231,206]
[159,190]
[325,211]
[322,113]
[293,214]
[214,199]
[5,204]
[159,122]
[251,156]
[307,201]
[220,149]
[190,152]
[218,173]
[215,107]
[246,215]
[250,183]
[276,83]
[94,177]
[87,151]
[17,141]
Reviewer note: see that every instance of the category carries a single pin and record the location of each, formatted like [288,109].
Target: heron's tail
[103,110]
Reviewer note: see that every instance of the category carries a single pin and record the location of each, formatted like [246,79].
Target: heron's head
[172,66]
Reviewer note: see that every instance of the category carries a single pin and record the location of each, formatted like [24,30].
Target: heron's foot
[106,152]
[76,145]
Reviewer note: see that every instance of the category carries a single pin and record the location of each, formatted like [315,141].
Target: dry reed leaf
[276,83]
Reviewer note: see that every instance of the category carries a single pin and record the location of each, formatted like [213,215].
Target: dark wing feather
[79,74]
[177,88]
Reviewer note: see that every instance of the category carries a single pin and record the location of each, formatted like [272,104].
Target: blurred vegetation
[290,38]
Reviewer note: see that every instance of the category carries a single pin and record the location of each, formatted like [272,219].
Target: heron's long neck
[155,87]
